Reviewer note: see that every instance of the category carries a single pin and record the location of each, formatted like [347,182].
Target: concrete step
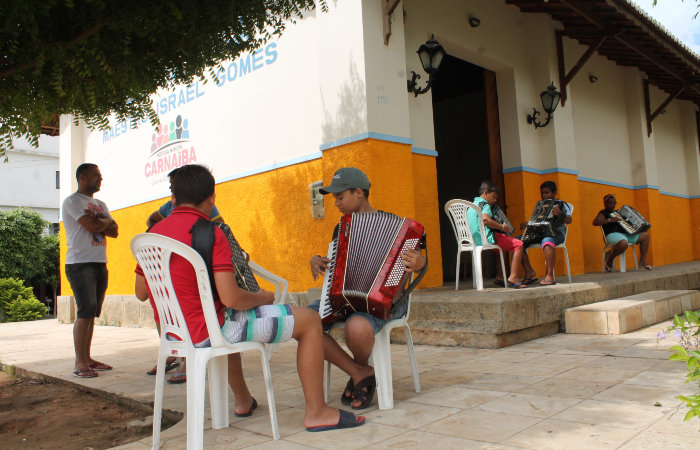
[630,313]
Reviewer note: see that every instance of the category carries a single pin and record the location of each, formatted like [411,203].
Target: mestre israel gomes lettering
[235,69]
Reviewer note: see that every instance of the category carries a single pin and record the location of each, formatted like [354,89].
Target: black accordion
[500,217]
[631,220]
[543,223]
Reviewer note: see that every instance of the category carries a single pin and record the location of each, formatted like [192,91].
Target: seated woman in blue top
[616,235]
[495,233]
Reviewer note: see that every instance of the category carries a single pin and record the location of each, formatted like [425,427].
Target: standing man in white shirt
[88,224]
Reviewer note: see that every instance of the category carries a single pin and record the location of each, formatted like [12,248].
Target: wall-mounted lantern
[430,54]
[550,101]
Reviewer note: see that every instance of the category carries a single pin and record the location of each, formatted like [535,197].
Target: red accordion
[367,273]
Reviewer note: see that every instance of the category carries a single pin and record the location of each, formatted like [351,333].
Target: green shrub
[10,290]
[25,309]
[687,329]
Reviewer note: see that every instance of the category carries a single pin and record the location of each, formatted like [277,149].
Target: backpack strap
[203,239]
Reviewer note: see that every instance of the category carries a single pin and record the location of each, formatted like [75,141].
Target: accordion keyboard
[325,309]
[623,223]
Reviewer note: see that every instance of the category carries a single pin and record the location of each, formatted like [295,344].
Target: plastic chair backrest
[457,212]
[153,253]
[571,213]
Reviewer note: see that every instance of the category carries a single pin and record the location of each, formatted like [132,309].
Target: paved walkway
[558,392]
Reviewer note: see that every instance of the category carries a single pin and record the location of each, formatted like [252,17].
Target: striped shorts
[268,324]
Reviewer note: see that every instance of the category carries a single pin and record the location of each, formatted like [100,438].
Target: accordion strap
[414,283]
[203,239]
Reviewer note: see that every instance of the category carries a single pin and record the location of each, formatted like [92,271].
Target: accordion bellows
[631,220]
[366,273]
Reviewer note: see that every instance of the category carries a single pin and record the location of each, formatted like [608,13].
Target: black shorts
[89,284]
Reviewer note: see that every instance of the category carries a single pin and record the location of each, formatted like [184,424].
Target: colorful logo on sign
[170,148]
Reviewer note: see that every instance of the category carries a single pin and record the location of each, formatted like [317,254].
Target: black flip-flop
[547,283]
[499,283]
[347,420]
[179,374]
[344,399]
[253,407]
[168,368]
[529,281]
[365,397]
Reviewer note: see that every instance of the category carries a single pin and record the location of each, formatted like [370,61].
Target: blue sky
[677,17]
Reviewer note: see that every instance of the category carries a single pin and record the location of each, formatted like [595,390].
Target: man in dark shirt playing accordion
[350,188]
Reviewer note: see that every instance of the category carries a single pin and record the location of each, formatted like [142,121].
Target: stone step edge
[620,316]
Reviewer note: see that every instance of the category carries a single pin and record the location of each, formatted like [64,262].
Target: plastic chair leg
[477,269]
[218,391]
[158,401]
[328,382]
[412,357]
[196,375]
[473,272]
[381,355]
[634,253]
[622,261]
[602,269]
[568,269]
[459,254]
[503,267]
[267,373]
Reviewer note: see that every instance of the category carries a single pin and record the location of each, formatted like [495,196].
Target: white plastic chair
[380,359]
[153,252]
[621,258]
[563,245]
[457,212]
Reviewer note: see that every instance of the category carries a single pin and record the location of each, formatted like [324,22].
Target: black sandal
[365,397]
[344,399]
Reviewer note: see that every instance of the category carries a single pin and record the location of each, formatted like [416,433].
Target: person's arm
[236,298]
[601,220]
[112,230]
[413,261]
[141,288]
[94,224]
[153,219]
[219,219]
[319,265]
[490,223]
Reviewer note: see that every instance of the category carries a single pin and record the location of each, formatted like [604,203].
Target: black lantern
[550,100]
[430,54]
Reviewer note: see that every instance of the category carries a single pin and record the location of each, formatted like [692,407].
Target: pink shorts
[507,243]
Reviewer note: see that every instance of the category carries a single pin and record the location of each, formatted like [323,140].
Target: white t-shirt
[83,246]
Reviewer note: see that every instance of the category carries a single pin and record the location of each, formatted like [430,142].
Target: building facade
[330,93]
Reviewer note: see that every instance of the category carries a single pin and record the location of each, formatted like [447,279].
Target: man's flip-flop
[253,407]
[85,373]
[529,281]
[344,399]
[100,366]
[365,397]
[347,420]
[517,286]
[175,375]
[645,267]
[548,283]
[168,368]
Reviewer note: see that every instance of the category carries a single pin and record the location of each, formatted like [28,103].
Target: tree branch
[75,40]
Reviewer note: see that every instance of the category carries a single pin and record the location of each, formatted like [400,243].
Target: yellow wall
[671,240]
[270,216]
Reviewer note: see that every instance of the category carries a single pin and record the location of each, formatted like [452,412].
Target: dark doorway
[467,139]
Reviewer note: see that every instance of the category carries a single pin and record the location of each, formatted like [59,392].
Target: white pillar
[642,147]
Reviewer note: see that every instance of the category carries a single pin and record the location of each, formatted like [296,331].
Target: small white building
[30,178]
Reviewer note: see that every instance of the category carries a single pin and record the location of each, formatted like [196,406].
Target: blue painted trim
[247,173]
[423,151]
[539,171]
[687,197]
[610,183]
[366,135]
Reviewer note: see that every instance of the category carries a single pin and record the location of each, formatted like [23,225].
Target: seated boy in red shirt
[242,315]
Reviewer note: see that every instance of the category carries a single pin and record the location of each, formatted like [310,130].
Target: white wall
[600,118]
[29,177]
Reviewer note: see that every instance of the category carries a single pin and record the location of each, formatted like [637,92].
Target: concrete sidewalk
[558,392]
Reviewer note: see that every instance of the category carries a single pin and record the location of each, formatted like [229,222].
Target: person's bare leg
[238,385]
[617,250]
[550,258]
[359,337]
[309,335]
[525,261]
[88,341]
[515,263]
[499,272]
[643,241]
[336,355]
[80,336]
[169,360]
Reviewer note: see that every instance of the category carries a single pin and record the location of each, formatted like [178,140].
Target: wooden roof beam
[388,7]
